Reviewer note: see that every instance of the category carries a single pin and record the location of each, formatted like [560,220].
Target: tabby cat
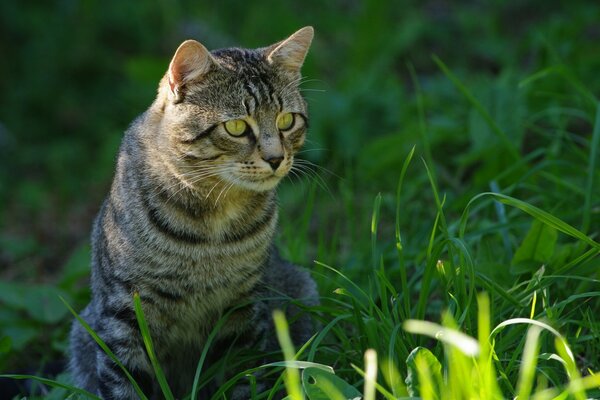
[190,218]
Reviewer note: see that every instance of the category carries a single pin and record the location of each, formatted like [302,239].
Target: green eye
[236,127]
[285,121]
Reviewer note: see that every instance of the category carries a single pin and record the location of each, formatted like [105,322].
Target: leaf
[319,384]
[43,303]
[412,376]
[11,294]
[5,344]
[537,248]
[77,266]
[20,336]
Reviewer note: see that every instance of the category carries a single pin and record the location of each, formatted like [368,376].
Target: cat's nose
[274,162]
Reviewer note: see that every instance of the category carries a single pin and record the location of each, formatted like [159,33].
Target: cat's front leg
[112,381]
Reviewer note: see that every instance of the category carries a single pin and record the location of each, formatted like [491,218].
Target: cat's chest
[190,312]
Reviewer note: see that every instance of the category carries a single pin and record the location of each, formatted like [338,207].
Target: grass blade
[106,350]
[587,205]
[466,344]
[374,224]
[292,381]
[399,247]
[535,212]
[529,362]
[53,383]
[160,376]
[370,374]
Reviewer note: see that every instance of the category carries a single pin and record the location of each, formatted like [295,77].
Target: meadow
[447,202]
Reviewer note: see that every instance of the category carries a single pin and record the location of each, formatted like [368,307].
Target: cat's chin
[263,185]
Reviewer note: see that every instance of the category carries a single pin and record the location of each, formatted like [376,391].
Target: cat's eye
[285,121]
[236,127]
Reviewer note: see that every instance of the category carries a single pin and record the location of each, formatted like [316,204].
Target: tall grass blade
[535,212]
[292,381]
[374,224]
[488,387]
[106,350]
[53,383]
[591,174]
[529,362]
[392,377]
[566,354]
[370,374]
[466,344]
[399,246]
[383,391]
[160,376]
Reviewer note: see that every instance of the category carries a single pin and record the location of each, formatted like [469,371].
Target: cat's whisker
[294,174]
[213,188]
[310,164]
[296,82]
[225,189]
[189,181]
[193,174]
[315,176]
[309,150]
[228,190]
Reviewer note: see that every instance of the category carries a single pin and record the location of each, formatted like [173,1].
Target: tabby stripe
[251,93]
[112,366]
[114,344]
[106,264]
[143,379]
[166,229]
[220,143]
[256,227]
[270,89]
[123,314]
[173,201]
[164,275]
[108,380]
[168,295]
[201,135]
[280,101]
[246,107]
[193,157]
[187,237]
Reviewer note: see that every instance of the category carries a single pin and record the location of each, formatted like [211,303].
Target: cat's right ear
[190,62]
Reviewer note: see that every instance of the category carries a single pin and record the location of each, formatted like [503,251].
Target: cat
[190,219]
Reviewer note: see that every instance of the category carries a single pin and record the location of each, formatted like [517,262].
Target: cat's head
[235,115]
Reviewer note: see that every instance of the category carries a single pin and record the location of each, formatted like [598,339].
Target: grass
[453,220]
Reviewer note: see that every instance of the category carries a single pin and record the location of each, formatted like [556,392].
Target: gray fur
[189,221]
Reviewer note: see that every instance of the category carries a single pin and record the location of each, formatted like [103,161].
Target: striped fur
[189,220]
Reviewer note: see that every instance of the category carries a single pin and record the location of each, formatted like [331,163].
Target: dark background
[73,75]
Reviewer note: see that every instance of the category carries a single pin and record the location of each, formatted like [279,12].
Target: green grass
[452,222]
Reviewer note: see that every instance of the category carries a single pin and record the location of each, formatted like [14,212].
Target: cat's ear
[190,62]
[290,53]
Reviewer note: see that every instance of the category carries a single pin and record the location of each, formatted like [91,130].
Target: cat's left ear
[291,52]
[191,61]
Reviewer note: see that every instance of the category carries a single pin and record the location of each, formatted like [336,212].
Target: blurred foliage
[74,73]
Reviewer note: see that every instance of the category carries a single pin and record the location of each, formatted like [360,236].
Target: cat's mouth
[258,184]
